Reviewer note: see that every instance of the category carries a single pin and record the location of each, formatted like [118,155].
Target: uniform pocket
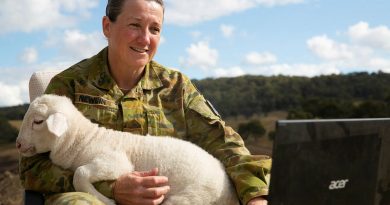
[134,127]
[157,123]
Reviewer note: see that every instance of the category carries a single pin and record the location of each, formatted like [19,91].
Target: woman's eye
[134,25]
[155,30]
[37,122]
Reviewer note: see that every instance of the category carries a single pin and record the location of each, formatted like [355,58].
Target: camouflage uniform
[164,102]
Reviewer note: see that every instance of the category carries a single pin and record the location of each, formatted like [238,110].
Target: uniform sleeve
[249,173]
[38,173]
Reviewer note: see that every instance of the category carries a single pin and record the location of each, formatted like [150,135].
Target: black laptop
[331,162]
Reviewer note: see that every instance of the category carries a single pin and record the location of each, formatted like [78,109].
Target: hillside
[353,95]
[248,95]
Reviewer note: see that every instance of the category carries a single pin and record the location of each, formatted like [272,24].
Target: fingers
[152,172]
[159,200]
[144,201]
[153,181]
[141,188]
[156,192]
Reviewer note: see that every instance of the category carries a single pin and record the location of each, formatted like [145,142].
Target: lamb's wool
[97,154]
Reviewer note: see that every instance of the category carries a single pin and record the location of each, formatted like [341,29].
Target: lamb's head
[45,121]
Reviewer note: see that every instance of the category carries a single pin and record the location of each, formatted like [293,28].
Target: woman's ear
[106,26]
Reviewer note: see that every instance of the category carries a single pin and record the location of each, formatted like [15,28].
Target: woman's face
[134,37]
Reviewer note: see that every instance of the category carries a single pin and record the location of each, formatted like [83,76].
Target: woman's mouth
[139,50]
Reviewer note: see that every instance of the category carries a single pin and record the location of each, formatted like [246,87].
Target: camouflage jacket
[163,103]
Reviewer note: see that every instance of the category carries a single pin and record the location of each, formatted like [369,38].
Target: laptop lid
[337,162]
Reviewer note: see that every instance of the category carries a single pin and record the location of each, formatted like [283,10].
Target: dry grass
[262,145]
[15,123]
[11,191]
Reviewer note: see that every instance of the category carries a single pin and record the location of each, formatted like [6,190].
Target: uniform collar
[150,80]
[102,78]
[100,75]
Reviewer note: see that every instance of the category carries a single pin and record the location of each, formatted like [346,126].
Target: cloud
[29,55]
[37,15]
[78,6]
[377,37]
[83,45]
[271,3]
[227,30]
[381,63]
[186,13]
[298,69]
[328,49]
[228,72]
[13,94]
[302,69]
[201,55]
[360,51]
[363,49]
[162,40]
[255,58]
[75,45]
[14,81]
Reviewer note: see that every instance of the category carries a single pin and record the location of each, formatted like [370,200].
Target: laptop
[331,162]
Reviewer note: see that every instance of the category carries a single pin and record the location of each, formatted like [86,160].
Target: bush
[7,133]
[253,128]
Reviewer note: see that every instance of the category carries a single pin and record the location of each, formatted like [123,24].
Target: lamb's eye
[38,122]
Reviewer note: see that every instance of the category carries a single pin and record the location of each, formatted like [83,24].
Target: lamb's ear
[57,124]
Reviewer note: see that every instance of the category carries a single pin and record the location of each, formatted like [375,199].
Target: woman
[124,89]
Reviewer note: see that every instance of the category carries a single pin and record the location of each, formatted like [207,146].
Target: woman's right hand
[141,188]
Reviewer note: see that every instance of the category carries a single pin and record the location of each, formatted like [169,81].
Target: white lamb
[52,123]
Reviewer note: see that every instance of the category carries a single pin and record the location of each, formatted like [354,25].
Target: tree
[271,135]
[299,114]
[253,128]
[371,109]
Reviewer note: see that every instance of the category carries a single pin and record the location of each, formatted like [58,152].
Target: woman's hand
[141,188]
[258,201]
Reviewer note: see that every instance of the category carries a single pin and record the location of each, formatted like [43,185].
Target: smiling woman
[123,88]
[133,37]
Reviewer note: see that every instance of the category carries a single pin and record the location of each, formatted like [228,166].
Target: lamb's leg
[82,182]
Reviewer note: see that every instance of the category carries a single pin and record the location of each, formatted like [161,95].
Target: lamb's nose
[18,145]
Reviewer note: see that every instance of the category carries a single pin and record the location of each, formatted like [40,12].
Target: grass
[15,123]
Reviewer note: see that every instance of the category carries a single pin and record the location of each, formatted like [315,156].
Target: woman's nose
[144,37]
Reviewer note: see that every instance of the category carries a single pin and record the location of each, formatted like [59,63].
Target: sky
[202,38]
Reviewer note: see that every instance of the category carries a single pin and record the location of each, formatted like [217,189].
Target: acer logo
[338,184]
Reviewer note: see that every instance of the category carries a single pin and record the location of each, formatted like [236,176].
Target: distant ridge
[248,95]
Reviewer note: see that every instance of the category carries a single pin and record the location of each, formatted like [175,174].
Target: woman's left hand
[258,201]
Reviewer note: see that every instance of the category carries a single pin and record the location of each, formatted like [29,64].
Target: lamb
[52,123]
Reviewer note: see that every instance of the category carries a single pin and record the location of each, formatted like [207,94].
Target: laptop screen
[337,162]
